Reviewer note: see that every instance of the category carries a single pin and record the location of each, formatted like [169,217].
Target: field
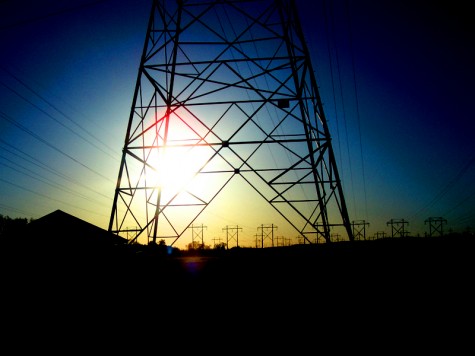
[375,269]
[387,295]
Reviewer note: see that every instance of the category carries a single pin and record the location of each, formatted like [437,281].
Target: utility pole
[398,227]
[280,240]
[336,237]
[232,233]
[216,239]
[359,229]
[197,233]
[435,225]
[256,236]
[267,231]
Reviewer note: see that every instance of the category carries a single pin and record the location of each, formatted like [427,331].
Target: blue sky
[396,80]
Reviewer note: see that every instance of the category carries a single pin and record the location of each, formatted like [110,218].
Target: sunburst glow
[175,168]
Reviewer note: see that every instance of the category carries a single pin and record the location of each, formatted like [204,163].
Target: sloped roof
[65,228]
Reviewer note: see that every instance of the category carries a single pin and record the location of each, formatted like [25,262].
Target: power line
[357,107]
[32,160]
[16,210]
[12,121]
[48,15]
[59,111]
[45,180]
[446,188]
[54,119]
[49,197]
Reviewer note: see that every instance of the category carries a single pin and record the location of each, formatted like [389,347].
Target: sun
[177,167]
[179,154]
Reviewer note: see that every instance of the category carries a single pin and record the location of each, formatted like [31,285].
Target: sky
[396,80]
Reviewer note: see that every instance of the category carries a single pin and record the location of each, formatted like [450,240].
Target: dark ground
[389,291]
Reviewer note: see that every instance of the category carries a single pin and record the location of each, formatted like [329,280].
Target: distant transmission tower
[225,91]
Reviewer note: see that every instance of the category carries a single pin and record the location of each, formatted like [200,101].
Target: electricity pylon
[225,90]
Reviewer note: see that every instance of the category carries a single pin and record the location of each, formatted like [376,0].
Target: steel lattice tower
[225,90]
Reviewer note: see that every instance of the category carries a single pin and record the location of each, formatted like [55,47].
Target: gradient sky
[396,80]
